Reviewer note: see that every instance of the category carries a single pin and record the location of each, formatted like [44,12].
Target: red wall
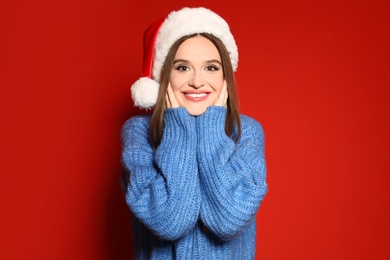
[314,73]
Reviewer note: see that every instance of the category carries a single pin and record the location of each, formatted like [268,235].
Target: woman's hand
[223,96]
[170,99]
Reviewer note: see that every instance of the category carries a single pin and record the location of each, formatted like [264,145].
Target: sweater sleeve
[232,176]
[162,187]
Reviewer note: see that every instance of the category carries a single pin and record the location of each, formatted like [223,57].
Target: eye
[182,68]
[212,68]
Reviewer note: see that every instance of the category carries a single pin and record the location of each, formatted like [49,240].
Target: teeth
[196,95]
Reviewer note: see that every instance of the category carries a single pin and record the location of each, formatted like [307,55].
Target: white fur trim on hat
[144,92]
[189,21]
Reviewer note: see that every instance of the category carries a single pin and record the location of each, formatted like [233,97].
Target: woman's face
[197,75]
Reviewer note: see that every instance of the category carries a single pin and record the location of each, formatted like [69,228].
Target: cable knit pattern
[197,195]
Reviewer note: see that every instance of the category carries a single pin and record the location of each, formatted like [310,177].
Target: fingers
[170,98]
[167,103]
[226,94]
[223,96]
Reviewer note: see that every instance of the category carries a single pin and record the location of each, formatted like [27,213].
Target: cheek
[176,82]
[216,84]
[215,80]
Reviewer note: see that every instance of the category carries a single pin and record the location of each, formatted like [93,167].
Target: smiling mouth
[196,97]
[193,95]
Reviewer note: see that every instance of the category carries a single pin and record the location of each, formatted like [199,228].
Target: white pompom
[144,92]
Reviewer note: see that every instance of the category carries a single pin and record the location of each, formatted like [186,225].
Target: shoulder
[138,121]
[136,125]
[250,126]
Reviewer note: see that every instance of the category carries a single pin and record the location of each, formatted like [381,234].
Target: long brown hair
[232,118]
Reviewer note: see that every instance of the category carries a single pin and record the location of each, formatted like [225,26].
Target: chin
[196,111]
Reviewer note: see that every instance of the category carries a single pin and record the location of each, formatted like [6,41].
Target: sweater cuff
[211,124]
[178,122]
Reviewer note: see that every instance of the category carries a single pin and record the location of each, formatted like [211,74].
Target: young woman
[194,168]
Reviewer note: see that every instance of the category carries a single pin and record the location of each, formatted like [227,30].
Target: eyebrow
[207,61]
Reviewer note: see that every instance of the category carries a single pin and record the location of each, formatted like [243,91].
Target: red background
[314,73]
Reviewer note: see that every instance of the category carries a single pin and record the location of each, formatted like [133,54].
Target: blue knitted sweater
[196,196]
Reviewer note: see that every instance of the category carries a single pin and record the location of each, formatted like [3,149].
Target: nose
[196,80]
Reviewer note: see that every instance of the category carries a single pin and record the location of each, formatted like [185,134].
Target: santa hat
[161,35]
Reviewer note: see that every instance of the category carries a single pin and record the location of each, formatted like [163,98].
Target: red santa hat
[161,35]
